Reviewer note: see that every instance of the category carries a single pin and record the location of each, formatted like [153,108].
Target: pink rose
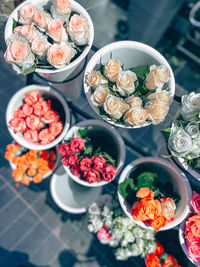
[194,251]
[19,114]
[41,107]
[56,30]
[29,32]
[50,116]
[196,202]
[109,172]
[189,236]
[92,176]
[195,228]
[18,125]
[40,46]
[33,122]
[56,128]
[85,164]
[61,9]
[32,97]
[31,136]
[64,149]
[42,19]
[27,109]
[98,163]
[27,13]
[45,136]
[102,234]
[77,144]
[75,170]
[70,160]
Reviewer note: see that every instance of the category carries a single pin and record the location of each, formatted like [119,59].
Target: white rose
[192,129]
[112,69]
[94,209]
[61,9]
[42,19]
[134,101]
[29,32]
[94,79]
[56,30]
[26,14]
[163,97]
[99,96]
[40,45]
[114,106]
[190,106]
[156,111]
[157,76]
[125,83]
[179,142]
[195,151]
[135,116]
[78,29]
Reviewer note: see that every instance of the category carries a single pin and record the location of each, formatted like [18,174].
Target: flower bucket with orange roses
[152,199]
[30,165]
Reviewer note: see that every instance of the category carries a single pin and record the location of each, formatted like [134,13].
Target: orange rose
[25,180]
[152,261]
[22,167]
[9,155]
[31,172]
[147,207]
[16,173]
[31,157]
[43,170]
[42,162]
[195,229]
[13,147]
[22,159]
[159,249]
[145,192]
[158,222]
[37,178]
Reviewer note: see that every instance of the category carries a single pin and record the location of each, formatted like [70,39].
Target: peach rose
[42,19]
[32,97]
[168,208]
[145,192]
[50,116]
[56,30]
[112,69]
[135,116]
[41,107]
[45,137]
[18,113]
[157,76]
[78,29]
[163,97]
[29,32]
[40,46]
[60,54]
[55,128]
[95,78]
[125,82]
[61,9]
[114,106]
[27,109]
[31,136]
[18,125]
[26,14]
[156,112]
[134,101]
[33,122]
[99,96]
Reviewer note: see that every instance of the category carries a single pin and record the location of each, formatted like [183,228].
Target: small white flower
[150,247]
[135,250]
[129,237]
[94,209]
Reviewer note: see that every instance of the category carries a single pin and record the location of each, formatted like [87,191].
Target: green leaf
[83,132]
[88,150]
[125,187]
[15,24]
[30,70]
[141,71]
[141,89]
[166,133]
[147,179]
[109,159]
[97,151]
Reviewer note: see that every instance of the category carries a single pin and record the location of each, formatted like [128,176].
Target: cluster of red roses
[36,120]
[92,169]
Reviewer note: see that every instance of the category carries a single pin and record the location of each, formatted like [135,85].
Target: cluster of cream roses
[132,109]
[30,41]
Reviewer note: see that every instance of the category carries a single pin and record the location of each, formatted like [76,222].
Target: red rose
[32,97]
[50,116]
[18,125]
[71,160]
[92,176]
[45,136]
[19,114]
[77,144]
[31,136]
[109,172]
[99,163]
[85,164]
[41,107]
[51,165]
[75,170]
[55,128]
[159,249]
[64,149]
[152,261]
[33,122]
[27,109]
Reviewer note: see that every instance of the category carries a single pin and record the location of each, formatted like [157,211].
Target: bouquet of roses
[36,119]
[30,165]
[160,259]
[192,229]
[134,97]
[152,199]
[107,219]
[183,138]
[86,162]
[46,37]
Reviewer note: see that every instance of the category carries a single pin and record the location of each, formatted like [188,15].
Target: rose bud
[19,114]
[109,172]
[45,137]
[99,96]
[27,109]
[168,208]
[29,32]
[112,69]
[50,116]
[18,125]
[95,79]
[56,30]
[77,144]
[114,107]
[135,116]
[61,9]
[156,112]
[27,13]
[33,122]
[31,136]
[163,97]
[40,46]
[55,128]
[134,101]
[42,19]
[157,76]
[125,82]
[41,108]
[85,164]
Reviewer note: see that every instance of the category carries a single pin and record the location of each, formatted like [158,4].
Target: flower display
[113,228]
[152,199]
[143,88]
[47,39]
[87,163]
[38,122]
[30,165]
[183,137]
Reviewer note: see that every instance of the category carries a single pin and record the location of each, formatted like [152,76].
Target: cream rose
[99,96]
[60,54]
[114,106]
[56,30]
[29,32]
[78,29]
[125,82]
[112,69]
[190,106]
[161,97]
[42,19]
[134,101]
[157,76]
[156,112]
[26,14]
[135,116]
[61,9]
[192,129]
[40,45]
[94,79]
